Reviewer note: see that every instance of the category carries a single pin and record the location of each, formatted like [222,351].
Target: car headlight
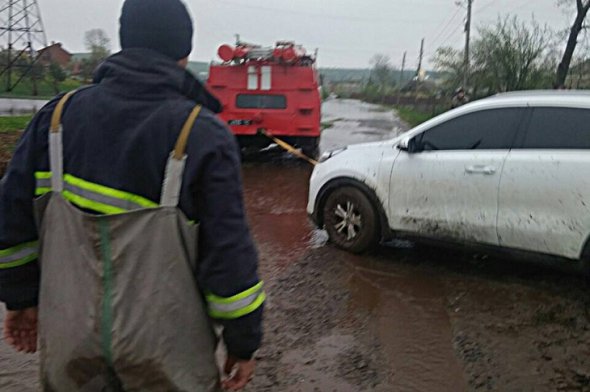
[329,154]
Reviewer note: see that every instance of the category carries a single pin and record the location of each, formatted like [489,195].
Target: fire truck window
[257,101]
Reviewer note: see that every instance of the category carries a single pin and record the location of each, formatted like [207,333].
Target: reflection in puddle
[275,195]
[409,312]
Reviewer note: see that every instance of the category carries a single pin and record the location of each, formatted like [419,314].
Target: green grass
[46,90]
[412,116]
[14,123]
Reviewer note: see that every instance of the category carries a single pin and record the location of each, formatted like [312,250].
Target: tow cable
[289,148]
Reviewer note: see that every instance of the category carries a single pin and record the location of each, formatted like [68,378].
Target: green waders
[120,309]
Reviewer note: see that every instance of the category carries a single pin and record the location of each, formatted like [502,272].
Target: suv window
[493,129]
[559,128]
[261,101]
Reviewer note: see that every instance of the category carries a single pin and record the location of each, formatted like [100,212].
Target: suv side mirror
[408,145]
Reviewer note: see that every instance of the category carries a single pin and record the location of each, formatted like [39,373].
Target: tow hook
[287,147]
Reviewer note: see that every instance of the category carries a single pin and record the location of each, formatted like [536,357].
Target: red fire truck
[275,90]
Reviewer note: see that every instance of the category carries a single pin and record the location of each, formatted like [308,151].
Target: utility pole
[467,44]
[420,59]
[401,79]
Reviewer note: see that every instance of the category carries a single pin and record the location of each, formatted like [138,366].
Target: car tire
[351,220]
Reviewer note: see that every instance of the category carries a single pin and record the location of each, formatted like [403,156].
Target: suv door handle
[480,169]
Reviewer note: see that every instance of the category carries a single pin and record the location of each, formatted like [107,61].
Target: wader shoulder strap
[56,146]
[176,163]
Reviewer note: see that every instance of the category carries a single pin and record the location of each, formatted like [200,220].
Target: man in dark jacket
[118,134]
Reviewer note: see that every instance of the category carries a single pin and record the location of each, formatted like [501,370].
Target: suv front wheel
[351,220]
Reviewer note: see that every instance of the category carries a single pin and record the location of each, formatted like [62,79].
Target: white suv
[511,171]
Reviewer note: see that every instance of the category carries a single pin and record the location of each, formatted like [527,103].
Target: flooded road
[408,313]
[9,107]
[409,317]
[406,318]
[355,122]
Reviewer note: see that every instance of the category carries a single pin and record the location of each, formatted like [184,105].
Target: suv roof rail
[537,93]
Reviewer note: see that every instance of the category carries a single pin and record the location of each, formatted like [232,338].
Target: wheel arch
[336,183]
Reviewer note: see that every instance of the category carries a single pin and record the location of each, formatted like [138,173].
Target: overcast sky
[347,32]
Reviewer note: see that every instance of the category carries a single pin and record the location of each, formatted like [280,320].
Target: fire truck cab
[271,89]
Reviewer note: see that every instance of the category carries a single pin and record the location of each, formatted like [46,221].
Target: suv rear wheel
[351,220]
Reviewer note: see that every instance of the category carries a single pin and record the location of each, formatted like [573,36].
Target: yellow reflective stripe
[92,196]
[237,297]
[43,175]
[19,263]
[16,249]
[92,205]
[41,191]
[110,192]
[241,312]
[237,306]
[42,182]
[18,255]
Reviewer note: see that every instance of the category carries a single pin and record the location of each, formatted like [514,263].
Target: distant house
[77,61]
[55,53]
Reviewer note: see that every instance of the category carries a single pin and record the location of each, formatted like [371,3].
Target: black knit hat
[161,25]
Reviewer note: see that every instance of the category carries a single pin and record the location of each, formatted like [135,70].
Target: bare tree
[382,71]
[450,62]
[98,44]
[582,8]
[97,41]
[510,55]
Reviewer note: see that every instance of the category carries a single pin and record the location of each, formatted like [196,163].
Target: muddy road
[408,317]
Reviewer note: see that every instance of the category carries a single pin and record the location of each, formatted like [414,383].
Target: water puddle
[275,196]
[356,122]
[408,309]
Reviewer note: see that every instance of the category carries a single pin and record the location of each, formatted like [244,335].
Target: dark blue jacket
[118,134]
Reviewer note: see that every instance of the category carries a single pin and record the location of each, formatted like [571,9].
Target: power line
[452,34]
[485,7]
[449,23]
[324,16]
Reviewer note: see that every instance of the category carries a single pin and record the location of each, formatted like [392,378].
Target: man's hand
[20,330]
[239,373]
